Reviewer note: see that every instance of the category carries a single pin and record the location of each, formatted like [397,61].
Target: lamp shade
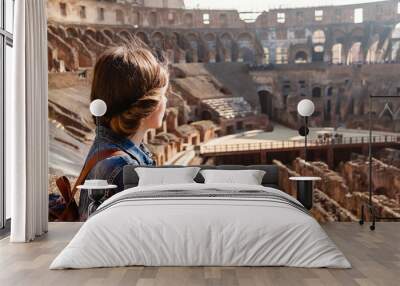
[98,107]
[305,107]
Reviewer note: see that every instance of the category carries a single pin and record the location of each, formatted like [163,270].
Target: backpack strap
[91,163]
[71,212]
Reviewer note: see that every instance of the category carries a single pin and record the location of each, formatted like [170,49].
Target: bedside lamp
[305,108]
[96,187]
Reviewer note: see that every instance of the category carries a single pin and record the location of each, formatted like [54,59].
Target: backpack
[70,210]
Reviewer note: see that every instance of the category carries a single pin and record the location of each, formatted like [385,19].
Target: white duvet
[204,231]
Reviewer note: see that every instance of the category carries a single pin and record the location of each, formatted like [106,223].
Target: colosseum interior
[230,76]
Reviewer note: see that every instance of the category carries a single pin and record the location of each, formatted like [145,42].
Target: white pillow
[249,177]
[166,176]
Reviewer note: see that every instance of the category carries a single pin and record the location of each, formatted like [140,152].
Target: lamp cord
[97,144]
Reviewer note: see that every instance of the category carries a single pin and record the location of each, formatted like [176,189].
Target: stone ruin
[333,55]
[340,194]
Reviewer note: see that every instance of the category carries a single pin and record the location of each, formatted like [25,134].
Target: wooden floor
[375,257]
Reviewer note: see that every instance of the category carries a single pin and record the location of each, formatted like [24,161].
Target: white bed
[265,229]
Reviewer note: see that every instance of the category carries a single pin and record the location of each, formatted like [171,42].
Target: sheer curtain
[27,124]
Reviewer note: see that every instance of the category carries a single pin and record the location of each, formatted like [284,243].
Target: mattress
[201,225]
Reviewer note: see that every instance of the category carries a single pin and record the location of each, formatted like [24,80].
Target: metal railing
[295,144]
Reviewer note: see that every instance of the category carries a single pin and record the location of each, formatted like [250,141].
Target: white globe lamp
[98,107]
[306,108]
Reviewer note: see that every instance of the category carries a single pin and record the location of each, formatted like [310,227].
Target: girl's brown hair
[130,80]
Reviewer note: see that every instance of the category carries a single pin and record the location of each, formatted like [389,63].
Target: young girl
[133,84]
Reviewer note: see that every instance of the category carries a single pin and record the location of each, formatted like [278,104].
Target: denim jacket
[110,169]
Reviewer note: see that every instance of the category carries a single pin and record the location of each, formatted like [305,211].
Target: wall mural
[241,83]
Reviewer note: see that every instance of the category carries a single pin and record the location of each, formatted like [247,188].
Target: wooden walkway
[375,257]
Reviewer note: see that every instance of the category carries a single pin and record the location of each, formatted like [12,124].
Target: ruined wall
[339,195]
[302,35]
[340,94]
[385,178]
[321,53]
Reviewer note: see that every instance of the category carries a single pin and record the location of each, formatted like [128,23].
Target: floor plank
[375,257]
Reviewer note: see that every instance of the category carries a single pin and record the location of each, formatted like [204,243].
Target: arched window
[136,19]
[153,19]
[316,91]
[265,98]
[318,37]
[266,55]
[158,40]
[281,55]
[396,32]
[119,16]
[372,55]
[223,20]
[337,54]
[188,20]
[329,91]
[300,57]
[355,54]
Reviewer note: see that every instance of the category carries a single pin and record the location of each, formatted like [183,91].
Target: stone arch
[119,39]
[192,48]
[210,37]
[338,56]
[153,19]
[245,42]
[126,35]
[210,40]
[281,55]
[188,19]
[175,45]
[316,91]
[157,39]
[108,33]
[61,31]
[245,39]
[178,39]
[120,16]
[136,19]
[90,32]
[396,32]
[267,55]
[64,54]
[52,28]
[355,54]
[143,37]
[395,43]
[223,20]
[86,58]
[329,91]
[265,98]
[227,54]
[103,38]
[264,45]
[318,37]
[395,51]
[372,53]
[300,57]
[72,32]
